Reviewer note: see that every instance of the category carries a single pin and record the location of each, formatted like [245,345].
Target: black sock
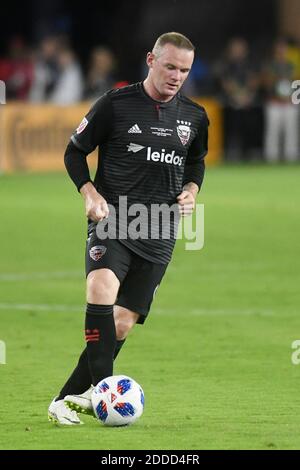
[100,335]
[80,379]
[118,347]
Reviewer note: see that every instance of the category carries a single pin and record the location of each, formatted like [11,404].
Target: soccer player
[152,143]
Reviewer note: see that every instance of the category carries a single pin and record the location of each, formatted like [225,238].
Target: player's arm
[194,169]
[92,131]
[96,207]
[187,198]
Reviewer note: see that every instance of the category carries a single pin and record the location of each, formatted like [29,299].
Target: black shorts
[139,278]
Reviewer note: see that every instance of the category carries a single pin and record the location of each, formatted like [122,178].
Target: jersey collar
[162,104]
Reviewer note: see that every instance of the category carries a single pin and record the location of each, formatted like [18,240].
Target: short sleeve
[95,127]
[199,146]
[194,166]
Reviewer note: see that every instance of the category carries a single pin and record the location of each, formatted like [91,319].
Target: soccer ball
[118,400]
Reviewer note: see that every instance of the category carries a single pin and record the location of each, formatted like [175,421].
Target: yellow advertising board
[34,137]
[215,131]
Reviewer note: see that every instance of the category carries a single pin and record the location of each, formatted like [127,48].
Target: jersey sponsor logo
[184,131]
[135,130]
[82,125]
[135,147]
[162,156]
[169,158]
[96,252]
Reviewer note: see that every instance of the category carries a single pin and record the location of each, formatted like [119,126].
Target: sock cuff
[95,309]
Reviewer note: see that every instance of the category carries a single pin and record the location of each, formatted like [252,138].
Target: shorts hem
[143,314]
[120,278]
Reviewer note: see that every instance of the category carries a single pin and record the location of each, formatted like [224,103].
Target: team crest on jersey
[184,131]
[82,125]
[97,252]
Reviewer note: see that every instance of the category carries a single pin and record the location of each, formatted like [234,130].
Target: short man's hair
[176,39]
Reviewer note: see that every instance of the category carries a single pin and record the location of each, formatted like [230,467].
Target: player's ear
[150,59]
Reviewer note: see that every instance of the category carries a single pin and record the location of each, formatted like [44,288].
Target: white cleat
[81,403]
[59,413]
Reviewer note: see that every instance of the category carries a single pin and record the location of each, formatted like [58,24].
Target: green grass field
[214,358]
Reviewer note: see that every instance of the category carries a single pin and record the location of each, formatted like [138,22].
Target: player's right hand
[96,207]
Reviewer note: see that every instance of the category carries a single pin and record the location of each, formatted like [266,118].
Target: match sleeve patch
[95,126]
[82,125]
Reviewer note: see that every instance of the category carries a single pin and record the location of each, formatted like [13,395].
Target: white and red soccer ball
[118,400]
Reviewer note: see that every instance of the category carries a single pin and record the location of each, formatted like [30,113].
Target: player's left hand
[186,202]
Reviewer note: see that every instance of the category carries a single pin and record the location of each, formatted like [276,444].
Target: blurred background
[58,56]
[226,316]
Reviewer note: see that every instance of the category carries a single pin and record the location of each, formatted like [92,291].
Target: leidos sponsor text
[169,158]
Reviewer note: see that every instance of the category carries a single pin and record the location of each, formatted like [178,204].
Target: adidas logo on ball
[163,157]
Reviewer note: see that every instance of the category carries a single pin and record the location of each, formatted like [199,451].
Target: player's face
[169,70]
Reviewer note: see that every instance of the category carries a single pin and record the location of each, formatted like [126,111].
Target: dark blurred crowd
[259,115]
[255,92]
[53,73]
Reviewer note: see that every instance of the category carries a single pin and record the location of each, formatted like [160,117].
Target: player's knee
[124,320]
[123,326]
[102,287]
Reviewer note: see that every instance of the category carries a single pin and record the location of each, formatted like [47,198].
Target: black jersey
[147,151]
